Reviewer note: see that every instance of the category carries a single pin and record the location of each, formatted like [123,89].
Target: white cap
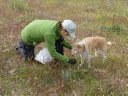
[69,26]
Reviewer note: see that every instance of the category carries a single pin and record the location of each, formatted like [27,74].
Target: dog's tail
[109,43]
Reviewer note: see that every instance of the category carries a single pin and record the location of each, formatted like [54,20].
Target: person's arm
[67,44]
[50,43]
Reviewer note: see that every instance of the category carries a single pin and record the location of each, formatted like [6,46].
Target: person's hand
[72,61]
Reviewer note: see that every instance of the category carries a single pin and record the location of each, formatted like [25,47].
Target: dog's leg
[82,56]
[104,55]
[96,52]
[89,58]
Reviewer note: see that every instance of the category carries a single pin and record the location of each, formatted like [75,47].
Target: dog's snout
[74,51]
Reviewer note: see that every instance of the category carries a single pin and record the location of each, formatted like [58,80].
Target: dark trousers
[59,45]
[27,51]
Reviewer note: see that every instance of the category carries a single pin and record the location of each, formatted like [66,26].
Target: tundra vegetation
[107,18]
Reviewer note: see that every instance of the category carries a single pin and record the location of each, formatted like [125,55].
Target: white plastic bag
[44,56]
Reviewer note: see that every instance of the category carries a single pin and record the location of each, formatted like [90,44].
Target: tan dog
[86,46]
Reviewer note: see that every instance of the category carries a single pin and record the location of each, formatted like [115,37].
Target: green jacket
[47,31]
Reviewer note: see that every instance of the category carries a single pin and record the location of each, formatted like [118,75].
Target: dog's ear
[78,46]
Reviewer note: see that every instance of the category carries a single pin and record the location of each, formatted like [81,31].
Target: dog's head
[77,49]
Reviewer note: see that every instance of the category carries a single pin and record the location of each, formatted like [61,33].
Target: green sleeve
[50,43]
[67,45]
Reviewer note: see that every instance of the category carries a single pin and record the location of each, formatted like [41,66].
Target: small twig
[113,22]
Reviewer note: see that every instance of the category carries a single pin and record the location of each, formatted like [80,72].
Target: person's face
[64,32]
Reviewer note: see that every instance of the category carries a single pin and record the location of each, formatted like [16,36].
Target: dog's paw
[80,66]
[89,66]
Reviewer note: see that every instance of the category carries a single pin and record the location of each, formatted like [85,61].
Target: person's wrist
[72,61]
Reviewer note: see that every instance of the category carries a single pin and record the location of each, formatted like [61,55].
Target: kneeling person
[52,33]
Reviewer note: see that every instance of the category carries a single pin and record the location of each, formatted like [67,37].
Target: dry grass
[93,17]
